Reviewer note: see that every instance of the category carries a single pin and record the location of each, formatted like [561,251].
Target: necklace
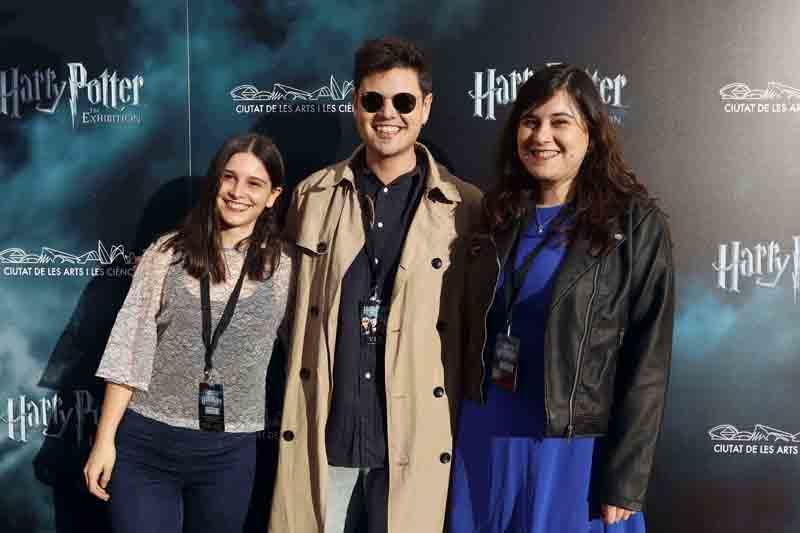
[540,224]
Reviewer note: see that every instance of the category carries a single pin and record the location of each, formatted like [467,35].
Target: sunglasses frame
[402,95]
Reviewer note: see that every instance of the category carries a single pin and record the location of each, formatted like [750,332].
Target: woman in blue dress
[569,327]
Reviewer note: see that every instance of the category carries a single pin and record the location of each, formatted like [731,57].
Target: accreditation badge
[212,407]
[372,321]
[505,366]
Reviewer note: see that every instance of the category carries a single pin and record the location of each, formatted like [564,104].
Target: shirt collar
[437,178]
[361,171]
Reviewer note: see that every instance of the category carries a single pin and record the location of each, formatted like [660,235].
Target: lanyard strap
[515,279]
[210,341]
[368,219]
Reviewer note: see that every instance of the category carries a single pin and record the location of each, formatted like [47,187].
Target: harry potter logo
[765,263]
[49,417]
[492,89]
[44,91]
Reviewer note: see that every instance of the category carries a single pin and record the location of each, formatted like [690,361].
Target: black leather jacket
[608,343]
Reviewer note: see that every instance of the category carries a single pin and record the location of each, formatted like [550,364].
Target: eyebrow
[557,114]
[229,171]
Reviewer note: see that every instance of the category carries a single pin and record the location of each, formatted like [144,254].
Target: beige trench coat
[423,347]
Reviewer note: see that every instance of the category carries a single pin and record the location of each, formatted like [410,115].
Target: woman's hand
[612,514]
[97,472]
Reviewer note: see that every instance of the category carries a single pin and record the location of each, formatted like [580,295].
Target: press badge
[372,320]
[506,362]
[212,407]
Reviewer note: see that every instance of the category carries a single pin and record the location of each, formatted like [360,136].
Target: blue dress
[508,478]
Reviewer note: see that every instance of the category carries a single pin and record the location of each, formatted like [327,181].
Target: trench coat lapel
[427,227]
[433,219]
[349,239]
[332,228]
[346,228]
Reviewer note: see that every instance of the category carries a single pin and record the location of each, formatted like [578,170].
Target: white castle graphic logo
[42,89]
[774,91]
[759,433]
[101,255]
[333,91]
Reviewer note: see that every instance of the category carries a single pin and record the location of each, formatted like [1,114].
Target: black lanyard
[368,209]
[515,279]
[210,341]
[377,270]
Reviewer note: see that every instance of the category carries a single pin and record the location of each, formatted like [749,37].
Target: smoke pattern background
[721,177]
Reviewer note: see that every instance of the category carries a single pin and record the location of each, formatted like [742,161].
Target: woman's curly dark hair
[605,184]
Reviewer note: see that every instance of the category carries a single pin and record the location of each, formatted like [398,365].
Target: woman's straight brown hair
[198,243]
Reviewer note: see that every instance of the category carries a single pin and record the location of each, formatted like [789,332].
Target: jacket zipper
[485,316]
[570,425]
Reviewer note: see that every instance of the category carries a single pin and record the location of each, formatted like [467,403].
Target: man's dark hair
[380,55]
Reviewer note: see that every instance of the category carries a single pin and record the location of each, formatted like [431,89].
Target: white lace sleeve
[128,357]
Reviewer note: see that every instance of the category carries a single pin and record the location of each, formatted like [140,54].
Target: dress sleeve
[131,347]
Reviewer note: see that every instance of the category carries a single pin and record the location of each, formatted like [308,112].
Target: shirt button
[438,392]
[305,374]
[441,325]
[377,260]
[380,224]
[322,247]
[436,263]
[445,458]
[367,375]
[288,436]
[313,310]
[386,190]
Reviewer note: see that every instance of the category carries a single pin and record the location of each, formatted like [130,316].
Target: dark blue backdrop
[91,168]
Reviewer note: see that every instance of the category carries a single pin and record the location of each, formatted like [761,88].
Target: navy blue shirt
[355,434]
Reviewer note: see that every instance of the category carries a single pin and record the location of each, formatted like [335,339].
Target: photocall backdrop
[110,111]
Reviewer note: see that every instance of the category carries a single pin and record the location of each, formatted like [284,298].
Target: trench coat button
[305,374]
[313,310]
[288,436]
[445,458]
[322,247]
[441,325]
[438,392]
[436,263]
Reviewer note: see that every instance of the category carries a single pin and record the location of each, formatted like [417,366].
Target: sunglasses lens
[404,102]
[371,102]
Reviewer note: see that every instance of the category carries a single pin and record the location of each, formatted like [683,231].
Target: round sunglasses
[404,103]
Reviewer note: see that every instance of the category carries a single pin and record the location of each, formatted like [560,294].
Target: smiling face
[552,140]
[387,133]
[245,191]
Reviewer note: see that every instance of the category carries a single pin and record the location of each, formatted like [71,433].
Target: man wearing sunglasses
[374,369]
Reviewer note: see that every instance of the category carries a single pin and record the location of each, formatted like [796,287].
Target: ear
[354,99]
[427,100]
[273,196]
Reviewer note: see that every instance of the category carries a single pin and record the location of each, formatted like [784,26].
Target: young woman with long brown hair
[569,326]
[186,361]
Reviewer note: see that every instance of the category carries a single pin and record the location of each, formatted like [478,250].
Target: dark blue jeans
[171,480]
